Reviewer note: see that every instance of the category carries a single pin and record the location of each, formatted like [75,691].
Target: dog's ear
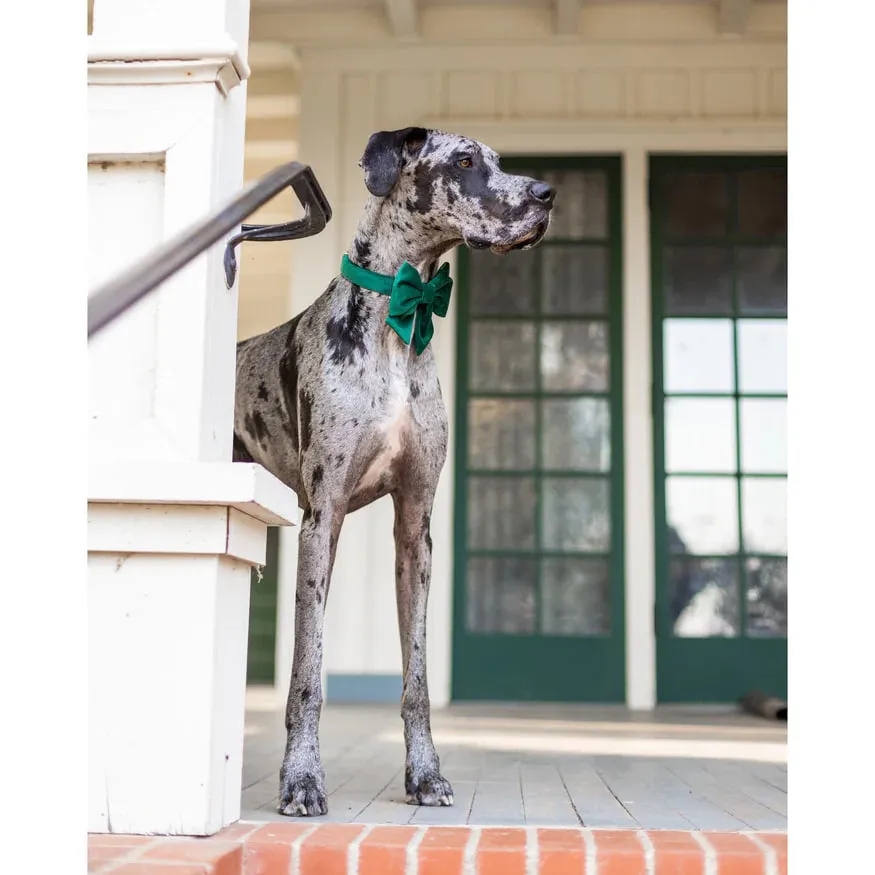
[384,155]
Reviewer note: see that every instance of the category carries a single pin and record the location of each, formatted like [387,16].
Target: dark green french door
[538,593]
[719,254]
[262,615]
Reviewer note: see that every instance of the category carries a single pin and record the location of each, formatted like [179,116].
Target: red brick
[561,852]
[502,852]
[220,857]
[442,850]
[384,850]
[107,840]
[144,868]
[677,853]
[736,854]
[619,852]
[269,849]
[324,852]
[237,832]
[778,841]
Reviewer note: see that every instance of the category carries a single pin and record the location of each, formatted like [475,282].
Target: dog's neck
[386,238]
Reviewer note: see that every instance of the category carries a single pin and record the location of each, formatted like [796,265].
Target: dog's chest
[393,425]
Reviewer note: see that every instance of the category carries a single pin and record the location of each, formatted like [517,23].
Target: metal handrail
[112,298]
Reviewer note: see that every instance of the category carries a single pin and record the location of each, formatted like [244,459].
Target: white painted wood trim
[576,137]
[638,436]
[247,487]
[193,530]
[227,51]
[175,72]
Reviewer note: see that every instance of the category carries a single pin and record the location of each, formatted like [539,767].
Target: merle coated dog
[340,408]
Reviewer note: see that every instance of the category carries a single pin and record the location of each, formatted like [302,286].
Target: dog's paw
[302,796]
[430,789]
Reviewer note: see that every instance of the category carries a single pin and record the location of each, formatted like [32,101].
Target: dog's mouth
[527,241]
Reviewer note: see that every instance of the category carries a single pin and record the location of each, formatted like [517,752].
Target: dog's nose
[542,192]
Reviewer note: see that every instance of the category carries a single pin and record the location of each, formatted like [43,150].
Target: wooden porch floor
[541,765]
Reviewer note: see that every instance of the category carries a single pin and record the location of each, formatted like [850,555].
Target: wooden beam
[567,17]
[732,16]
[403,17]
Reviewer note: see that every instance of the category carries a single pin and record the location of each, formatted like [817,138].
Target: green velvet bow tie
[411,301]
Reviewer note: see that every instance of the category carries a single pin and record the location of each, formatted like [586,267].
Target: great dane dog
[345,409]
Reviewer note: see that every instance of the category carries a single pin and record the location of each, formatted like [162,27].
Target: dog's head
[455,186]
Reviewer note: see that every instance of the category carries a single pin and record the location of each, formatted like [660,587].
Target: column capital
[119,61]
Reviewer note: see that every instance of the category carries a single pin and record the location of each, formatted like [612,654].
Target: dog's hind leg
[422,778]
[302,778]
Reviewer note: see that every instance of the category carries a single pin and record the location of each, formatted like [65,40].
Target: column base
[170,550]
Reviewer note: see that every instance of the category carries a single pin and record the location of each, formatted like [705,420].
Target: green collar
[411,301]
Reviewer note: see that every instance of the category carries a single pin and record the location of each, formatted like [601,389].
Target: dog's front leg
[302,778]
[422,778]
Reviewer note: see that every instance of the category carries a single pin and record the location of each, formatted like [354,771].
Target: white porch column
[173,526]
[638,434]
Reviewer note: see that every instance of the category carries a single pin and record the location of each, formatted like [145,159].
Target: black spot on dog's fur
[288,373]
[311,583]
[414,390]
[362,251]
[317,517]
[425,531]
[263,394]
[257,427]
[339,460]
[422,183]
[318,474]
[305,415]
[345,334]
[239,453]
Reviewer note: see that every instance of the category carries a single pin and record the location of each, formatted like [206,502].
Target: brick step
[305,848]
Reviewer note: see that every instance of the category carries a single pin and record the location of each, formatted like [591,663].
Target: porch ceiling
[403,16]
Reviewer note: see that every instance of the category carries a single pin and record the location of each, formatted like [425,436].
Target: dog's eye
[465,163]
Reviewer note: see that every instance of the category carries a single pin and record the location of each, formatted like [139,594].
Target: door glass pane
[763,435]
[503,286]
[502,356]
[698,355]
[501,434]
[575,356]
[575,597]
[696,204]
[501,513]
[762,202]
[581,208]
[574,279]
[698,281]
[576,514]
[703,512]
[700,435]
[704,598]
[762,280]
[576,435]
[764,514]
[767,598]
[501,595]
[762,355]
